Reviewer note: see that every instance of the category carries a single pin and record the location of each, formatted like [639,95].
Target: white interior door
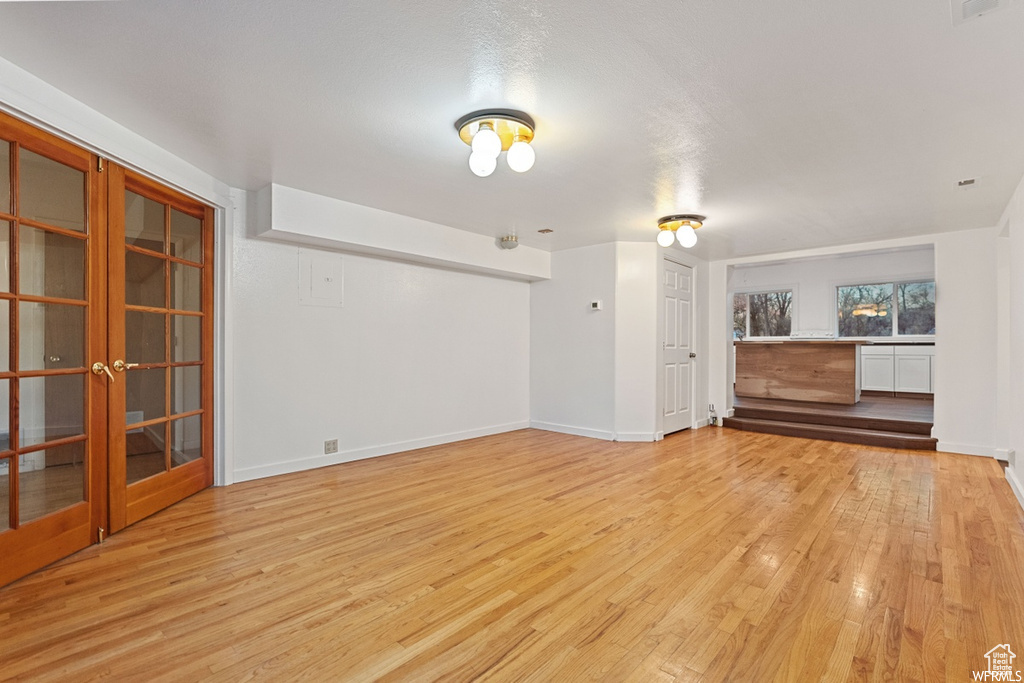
[678,346]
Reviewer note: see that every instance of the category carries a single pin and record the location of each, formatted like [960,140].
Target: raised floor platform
[885,421]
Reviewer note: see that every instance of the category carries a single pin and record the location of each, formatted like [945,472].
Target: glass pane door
[50,494]
[161,340]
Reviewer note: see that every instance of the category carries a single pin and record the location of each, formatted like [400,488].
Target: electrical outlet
[330,446]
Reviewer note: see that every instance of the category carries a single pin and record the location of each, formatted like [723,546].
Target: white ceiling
[791,124]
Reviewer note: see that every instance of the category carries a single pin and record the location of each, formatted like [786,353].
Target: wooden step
[867,437]
[809,416]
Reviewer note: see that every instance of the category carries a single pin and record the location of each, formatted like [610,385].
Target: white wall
[572,348]
[596,373]
[1012,366]
[966,341]
[416,356]
[637,277]
[814,280]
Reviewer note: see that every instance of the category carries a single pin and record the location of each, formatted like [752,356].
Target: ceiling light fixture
[679,227]
[493,131]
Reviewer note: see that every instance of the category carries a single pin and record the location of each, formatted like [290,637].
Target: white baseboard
[313,462]
[1004,454]
[1015,484]
[575,431]
[967,449]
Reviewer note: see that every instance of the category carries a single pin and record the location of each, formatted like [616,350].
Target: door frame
[679,260]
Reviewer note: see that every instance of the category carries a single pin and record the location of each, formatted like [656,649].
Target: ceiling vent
[963,10]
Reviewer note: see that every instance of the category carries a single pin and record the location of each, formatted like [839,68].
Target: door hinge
[101,534]
[99,164]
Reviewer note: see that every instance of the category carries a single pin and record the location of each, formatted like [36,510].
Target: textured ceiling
[790,124]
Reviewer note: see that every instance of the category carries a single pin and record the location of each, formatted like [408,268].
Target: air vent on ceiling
[963,10]
[966,182]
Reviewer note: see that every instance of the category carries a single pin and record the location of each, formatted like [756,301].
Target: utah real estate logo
[1000,665]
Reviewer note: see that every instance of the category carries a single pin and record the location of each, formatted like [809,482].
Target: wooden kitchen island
[817,371]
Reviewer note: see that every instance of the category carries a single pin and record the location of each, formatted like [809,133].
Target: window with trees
[888,309]
[762,314]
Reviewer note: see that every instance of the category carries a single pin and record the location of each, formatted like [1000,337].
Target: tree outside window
[762,314]
[915,307]
[877,310]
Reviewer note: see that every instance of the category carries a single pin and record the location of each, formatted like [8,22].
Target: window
[915,307]
[762,314]
[877,310]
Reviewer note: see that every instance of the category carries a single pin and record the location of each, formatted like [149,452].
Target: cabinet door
[914,373]
[876,373]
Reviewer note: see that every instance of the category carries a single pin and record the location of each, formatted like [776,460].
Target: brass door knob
[121,366]
[99,368]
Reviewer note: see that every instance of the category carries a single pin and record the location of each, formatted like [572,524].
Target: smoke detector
[964,10]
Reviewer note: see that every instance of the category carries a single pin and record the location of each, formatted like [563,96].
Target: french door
[105,348]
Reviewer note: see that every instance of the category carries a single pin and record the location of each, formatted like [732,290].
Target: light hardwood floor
[715,555]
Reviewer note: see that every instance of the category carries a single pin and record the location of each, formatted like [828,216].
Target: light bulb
[521,156]
[686,235]
[481,164]
[666,237]
[486,142]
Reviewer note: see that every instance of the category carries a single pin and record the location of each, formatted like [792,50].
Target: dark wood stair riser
[867,437]
[837,420]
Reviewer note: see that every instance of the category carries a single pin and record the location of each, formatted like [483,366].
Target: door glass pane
[51,408]
[51,192]
[187,338]
[186,440]
[185,391]
[5,176]
[50,480]
[5,256]
[5,346]
[144,452]
[5,493]
[52,336]
[186,236]
[185,293]
[145,338]
[143,222]
[5,415]
[146,393]
[144,280]
[51,264]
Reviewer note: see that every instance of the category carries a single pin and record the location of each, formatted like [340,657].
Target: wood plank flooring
[714,555]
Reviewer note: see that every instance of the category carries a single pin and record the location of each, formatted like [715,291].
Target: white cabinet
[906,368]
[914,368]
[877,370]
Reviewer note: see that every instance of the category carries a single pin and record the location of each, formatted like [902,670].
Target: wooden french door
[97,266]
[160,279]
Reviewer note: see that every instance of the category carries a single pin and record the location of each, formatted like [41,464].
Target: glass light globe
[666,238]
[482,165]
[521,156]
[687,236]
[486,142]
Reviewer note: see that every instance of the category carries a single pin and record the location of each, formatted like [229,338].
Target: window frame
[893,306]
[792,290]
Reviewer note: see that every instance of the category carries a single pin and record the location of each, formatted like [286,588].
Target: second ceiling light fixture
[493,131]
